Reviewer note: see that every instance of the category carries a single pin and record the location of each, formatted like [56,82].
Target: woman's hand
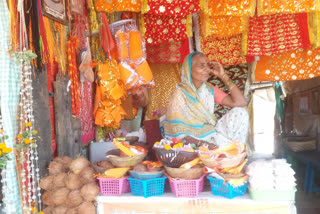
[216,69]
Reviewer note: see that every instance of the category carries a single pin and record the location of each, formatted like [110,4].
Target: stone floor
[306,203]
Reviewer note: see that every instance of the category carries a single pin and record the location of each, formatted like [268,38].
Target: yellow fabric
[231,7]
[314,28]
[223,26]
[267,7]
[165,76]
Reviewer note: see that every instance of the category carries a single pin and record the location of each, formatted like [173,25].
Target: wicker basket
[113,157]
[146,175]
[173,158]
[193,173]
[224,162]
[299,144]
[98,169]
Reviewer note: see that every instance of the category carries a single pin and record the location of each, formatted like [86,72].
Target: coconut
[79,164]
[86,208]
[86,175]
[65,160]
[46,198]
[46,183]
[105,164]
[47,210]
[59,210]
[90,191]
[74,198]
[72,181]
[72,211]
[60,196]
[55,168]
[58,180]
[140,168]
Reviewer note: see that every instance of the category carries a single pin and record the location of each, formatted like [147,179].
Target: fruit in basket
[197,166]
[115,172]
[140,168]
[105,164]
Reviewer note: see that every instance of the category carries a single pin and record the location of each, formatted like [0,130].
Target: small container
[114,186]
[272,195]
[186,188]
[147,188]
[223,188]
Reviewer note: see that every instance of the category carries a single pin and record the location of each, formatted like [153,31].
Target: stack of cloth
[274,174]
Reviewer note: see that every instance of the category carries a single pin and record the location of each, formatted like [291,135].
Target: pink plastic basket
[186,188]
[114,186]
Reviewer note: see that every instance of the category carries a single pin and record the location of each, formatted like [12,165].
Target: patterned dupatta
[187,114]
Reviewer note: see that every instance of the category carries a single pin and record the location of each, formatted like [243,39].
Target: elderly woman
[191,108]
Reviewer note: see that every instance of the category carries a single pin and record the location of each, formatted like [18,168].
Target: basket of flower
[175,153]
[126,155]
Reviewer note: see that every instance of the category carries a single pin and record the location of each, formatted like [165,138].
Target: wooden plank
[67,142]
[42,123]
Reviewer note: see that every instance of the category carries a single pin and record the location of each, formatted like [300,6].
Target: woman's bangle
[223,76]
[232,86]
[228,83]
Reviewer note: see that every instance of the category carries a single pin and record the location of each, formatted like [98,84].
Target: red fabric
[169,52]
[52,70]
[79,29]
[173,8]
[160,29]
[107,41]
[219,95]
[277,33]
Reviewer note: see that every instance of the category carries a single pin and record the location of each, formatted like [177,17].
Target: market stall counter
[204,203]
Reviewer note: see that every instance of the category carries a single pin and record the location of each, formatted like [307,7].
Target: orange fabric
[73,75]
[232,7]
[145,72]
[294,65]
[267,7]
[128,76]
[110,6]
[223,26]
[107,41]
[122,52]
[108,111]
[135,45]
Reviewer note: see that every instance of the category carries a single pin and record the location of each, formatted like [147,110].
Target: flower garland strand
[27,138]
[4,158]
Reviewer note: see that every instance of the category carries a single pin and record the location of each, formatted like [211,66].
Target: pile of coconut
[70,187]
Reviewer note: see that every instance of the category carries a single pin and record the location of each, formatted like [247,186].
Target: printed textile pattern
[73,75]
[169,52]
[166,77]
[267,7]
[294,65]
[110,6]
[231,7]
[225,50]
[160,29]
[238,74]
[86,115]
[277,33]
[222,26]
[172,8]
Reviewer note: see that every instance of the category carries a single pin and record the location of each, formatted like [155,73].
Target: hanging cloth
[170,7]
[231,7]
[110,6]
[107,42]
[279,33]
[294,65]
[73,75]
[226,50]
[222,26]
[159,29]
[168,52]
[267,7]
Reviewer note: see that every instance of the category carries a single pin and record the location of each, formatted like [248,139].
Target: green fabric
[279,102]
